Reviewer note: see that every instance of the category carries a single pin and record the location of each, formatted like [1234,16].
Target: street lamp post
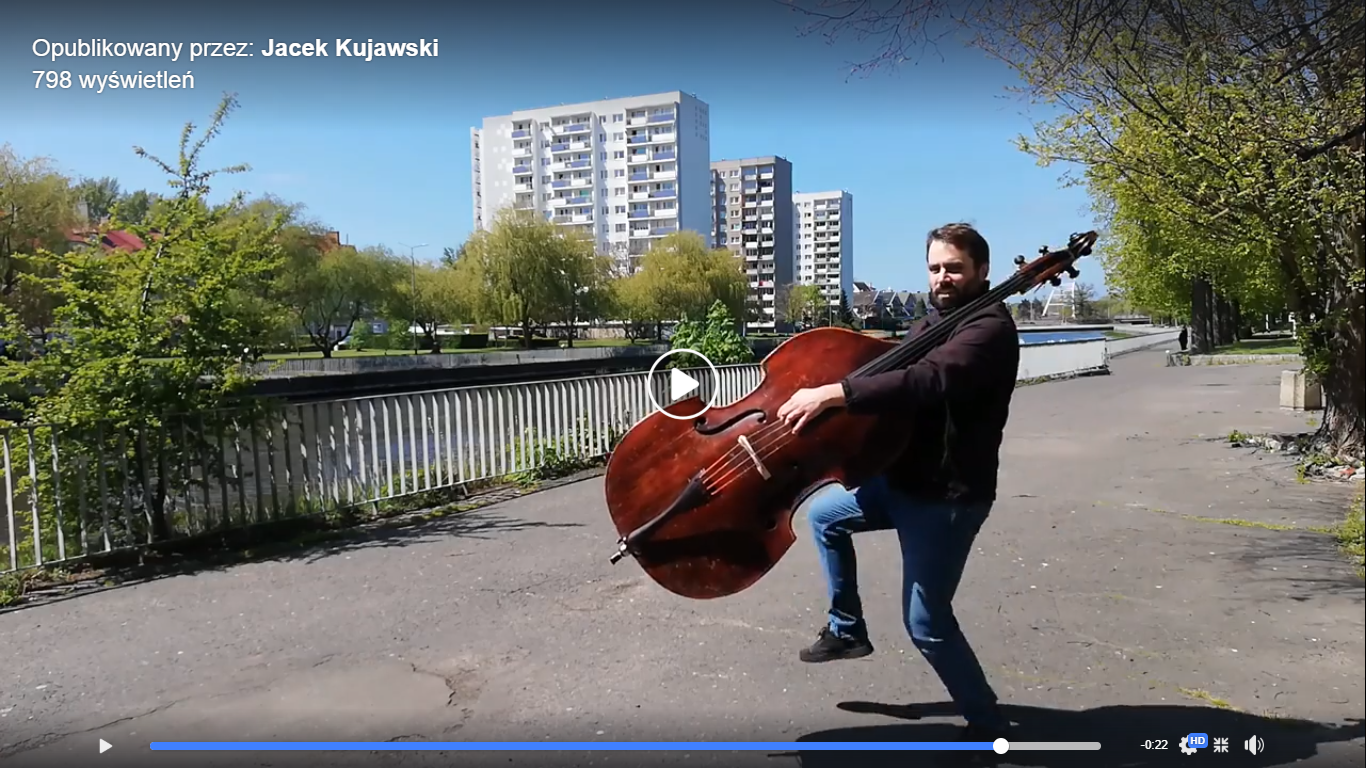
[412,259]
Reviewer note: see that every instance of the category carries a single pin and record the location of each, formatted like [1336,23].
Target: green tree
[329,289]
[525,269]
[444,296]
[634,304]
[583,289]
[681,278]
[805,304]
[146,346]
[846,315]
[1229,140]
[38,210]
[99,196]
[716,337]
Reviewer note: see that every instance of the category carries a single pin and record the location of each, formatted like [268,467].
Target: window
[621,228]
[618,155]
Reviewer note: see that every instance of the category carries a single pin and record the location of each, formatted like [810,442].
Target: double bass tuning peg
[1072,272]
[1019,261]
[1055,281]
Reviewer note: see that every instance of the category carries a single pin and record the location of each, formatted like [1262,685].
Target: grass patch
[1349,532]
[1121,335]
[1208,698]
[1244,523]
[1274,346]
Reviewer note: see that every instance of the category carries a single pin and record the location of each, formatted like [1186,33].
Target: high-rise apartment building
[825,242]
[626,171]
[752,216]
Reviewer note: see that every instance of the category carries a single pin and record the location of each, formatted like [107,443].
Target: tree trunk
[1343,371]
[1236,320]
[1202,311]
[1222,335]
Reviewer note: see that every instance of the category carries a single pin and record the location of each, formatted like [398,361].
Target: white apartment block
[825,242]
[748,219]
[626,171]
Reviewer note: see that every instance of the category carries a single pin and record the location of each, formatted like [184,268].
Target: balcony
[640,176]
[575,128]
[660,138]
[559,147]
[581,182]
[637,139]
[665,155]
[638,158]
[640,195]
[580,163]
[663,117]
[521,169]
[521,134]
[637,214]
[562,184]
[521,187]
[664,194]
[521,152]
[663,230]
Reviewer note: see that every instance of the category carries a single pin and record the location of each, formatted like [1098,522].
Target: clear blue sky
[380,150]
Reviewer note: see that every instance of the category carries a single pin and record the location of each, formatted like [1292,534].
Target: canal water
[1053,337]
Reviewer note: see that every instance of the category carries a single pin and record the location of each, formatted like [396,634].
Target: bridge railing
[76,491]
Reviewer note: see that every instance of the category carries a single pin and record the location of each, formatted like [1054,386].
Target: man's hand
[807,404]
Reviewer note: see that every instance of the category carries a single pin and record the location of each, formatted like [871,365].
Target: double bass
[705,505]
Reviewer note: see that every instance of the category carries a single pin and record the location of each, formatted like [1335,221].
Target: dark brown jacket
[960,393]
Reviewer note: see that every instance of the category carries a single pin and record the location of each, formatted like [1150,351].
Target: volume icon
[1255,745]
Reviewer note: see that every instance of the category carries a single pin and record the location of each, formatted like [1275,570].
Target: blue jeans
[935,541]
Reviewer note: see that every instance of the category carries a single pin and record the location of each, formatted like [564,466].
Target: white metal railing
[72,492]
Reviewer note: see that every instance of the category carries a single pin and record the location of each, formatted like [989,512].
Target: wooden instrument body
[744,525]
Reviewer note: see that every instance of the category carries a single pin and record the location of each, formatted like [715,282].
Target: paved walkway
[1104,597]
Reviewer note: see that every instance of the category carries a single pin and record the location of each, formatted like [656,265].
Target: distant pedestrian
[1183,338]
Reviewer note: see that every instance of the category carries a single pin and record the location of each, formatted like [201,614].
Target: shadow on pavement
[1121,730]
[307,544]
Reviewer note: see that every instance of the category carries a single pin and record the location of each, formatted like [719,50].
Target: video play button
[681,385]
[105,746]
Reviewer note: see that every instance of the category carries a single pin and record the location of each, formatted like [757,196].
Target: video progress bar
[614,746]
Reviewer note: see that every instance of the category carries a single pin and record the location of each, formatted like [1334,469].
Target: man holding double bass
[937,495]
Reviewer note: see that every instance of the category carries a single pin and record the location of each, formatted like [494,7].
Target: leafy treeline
[1222,142]
[318,292]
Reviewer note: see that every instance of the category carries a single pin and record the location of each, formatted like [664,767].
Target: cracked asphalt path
[1106,600]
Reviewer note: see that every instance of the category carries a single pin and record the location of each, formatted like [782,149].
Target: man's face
[954,280]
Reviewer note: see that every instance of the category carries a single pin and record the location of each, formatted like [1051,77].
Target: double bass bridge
[754,456]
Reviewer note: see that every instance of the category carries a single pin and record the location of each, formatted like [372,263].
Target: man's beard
[958,298]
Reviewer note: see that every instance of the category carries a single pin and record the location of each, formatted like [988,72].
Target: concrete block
[1300,392]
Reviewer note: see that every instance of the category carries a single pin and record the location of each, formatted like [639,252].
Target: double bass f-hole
[701,427]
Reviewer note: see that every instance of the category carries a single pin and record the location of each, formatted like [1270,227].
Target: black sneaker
[831,647]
